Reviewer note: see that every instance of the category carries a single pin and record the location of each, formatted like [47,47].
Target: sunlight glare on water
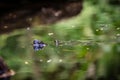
[28,28]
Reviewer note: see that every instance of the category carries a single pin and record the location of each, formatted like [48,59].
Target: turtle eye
[56,42]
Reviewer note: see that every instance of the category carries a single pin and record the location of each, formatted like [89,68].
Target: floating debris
[28,28]
[41,60]
[118,34]
[26,62]
[49,60]
[50,34]
[87,48]
[5,26]
[97,30]
[101,29]
[60,60]
[118,28]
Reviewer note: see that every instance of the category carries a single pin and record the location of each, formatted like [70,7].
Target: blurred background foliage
[99,21]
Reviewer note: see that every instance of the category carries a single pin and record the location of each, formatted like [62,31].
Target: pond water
[60,54]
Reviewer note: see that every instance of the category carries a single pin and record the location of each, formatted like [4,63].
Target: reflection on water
[84,42]
[65,56]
